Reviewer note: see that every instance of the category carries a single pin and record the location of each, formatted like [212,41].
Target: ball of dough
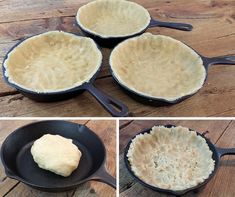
[56,154]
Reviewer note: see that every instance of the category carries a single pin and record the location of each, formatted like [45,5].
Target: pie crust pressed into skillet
[173,158]
[116,18]
[52,61]
[158,66]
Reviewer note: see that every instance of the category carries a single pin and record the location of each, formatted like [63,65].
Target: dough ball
[56,154]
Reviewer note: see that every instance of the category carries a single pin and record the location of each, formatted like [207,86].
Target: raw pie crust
[53,61]
[56,154]
[158,66]
[171,158]
[115,18]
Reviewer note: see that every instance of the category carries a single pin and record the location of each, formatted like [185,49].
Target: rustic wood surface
[213,35]
[222,133]
[106,129]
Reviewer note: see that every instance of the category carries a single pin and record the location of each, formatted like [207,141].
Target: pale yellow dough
[171,158]
[56,154]
[113,18]
[158,66]
[53,61]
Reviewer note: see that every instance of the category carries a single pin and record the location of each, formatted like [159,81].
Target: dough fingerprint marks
[174,158]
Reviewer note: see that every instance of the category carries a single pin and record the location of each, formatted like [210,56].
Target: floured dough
[52,62]
[113,18]
[56,154]
[171,158]
[158,66]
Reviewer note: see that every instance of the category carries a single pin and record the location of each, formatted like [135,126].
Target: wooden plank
[129,187]
[7,185]
[124,123]
[82,105]
[14,10]
[26,191]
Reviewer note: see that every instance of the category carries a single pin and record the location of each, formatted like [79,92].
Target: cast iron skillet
[18,161]
[217,153]
[112,41]
[113,106]
[207,62]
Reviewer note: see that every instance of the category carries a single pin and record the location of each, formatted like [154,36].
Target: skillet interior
[215,157]
[17,158]
[157,67]
[107,18]
[52,62]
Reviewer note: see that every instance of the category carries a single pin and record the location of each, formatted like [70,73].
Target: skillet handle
[179,26]
[219,60]
[103,176]
[113,106]
[225,151]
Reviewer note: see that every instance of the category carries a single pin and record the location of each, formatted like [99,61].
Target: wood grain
[106,129]
[221,132]
[213,35]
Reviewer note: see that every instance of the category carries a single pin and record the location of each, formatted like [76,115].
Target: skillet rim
[167,191]
[12,175]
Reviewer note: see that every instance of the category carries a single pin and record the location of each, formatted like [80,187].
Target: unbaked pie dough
[56,154]
[113,18]
[171,158]
[52,62]
[158,66]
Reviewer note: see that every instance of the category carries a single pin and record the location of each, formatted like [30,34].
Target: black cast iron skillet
[112,41]
[113,106]
[217,153]
[207,62]
[19,164]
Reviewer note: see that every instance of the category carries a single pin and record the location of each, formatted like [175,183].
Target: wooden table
[106,129]
[213,35]
[222,133]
